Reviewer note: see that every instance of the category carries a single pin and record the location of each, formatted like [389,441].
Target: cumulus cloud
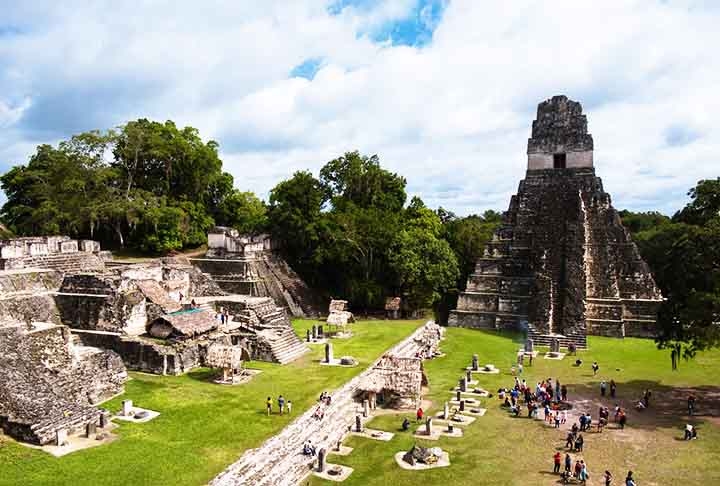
[444,92]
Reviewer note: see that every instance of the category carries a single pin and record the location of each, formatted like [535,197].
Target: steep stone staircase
[283,344]
[539,339]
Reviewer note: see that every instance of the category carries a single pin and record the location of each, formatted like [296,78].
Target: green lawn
[499,449]
[203,427]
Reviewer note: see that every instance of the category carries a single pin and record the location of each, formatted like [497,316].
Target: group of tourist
[283,405]
[550,396]
[603,388]
[324,401]
[222,316]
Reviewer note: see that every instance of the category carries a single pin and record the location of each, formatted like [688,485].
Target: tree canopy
[147,185]
[683,253]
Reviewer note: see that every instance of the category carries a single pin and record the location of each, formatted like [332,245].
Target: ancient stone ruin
[251,265]
[395,382]
[561,265]
[160,317]
[49,385]
[54,252]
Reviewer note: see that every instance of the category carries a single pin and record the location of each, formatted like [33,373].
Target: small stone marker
[61,437]
[90,429]
[104,419]
[446,411]
[320,331]
[337,446]
[475,363]
[328,353]
[366,408]
[308,335]
[428,426]
[529,346]
[555,346]
[458,396]
[321,460]
[463,384]
[462,405]
[450,428]
[358,423]
[314,332]
[468,376]
[127,408]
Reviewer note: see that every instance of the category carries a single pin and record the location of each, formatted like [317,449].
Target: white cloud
[453,117]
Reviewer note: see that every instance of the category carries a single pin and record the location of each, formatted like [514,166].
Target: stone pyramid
[561,265]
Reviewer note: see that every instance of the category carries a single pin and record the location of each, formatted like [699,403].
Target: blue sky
[443,91]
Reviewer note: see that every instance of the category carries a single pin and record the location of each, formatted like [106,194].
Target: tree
[423,262]
[160,191]
[294,218]
[243,211]
[684,256]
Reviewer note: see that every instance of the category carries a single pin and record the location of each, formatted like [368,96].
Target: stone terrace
[279,461]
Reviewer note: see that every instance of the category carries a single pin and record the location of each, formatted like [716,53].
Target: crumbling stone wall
[47,384]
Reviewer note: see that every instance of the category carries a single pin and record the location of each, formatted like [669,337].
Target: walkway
[279,461]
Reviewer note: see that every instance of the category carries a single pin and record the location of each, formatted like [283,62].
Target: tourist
[579,443]
[269,405]
[629,481]
[578,469]
[603,386]
[574,429]
[595,367]
[281,404]
[180,297]
[563,392]
[640,406]
[563,417]
[556,462]
[530,361]
[588,422]
[646,397]
[569,441]
[613,388]
[690,432]
[568,462]
[557,419]
[617,412]
[419,414]
[578,362]
[319,413]
[405,424]
[582,422]
[601,424]
[193,304]
[520,368]
[607,477]
[622,420]
[691,404]
[308,448]
[584,475]
[289,407]
[557,388]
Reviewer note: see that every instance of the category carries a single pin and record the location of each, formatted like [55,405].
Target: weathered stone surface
[251,265]
[561,265]
[48,385]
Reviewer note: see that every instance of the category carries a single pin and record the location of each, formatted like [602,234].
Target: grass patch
[502,450]
[203,427]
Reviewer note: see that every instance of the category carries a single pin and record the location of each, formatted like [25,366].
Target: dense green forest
[350,232]
[155,188]
[683,253]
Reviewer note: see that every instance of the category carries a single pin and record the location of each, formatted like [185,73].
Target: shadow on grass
[668,404]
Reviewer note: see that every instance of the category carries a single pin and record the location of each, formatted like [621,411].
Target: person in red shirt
[556,467]
[420,414]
